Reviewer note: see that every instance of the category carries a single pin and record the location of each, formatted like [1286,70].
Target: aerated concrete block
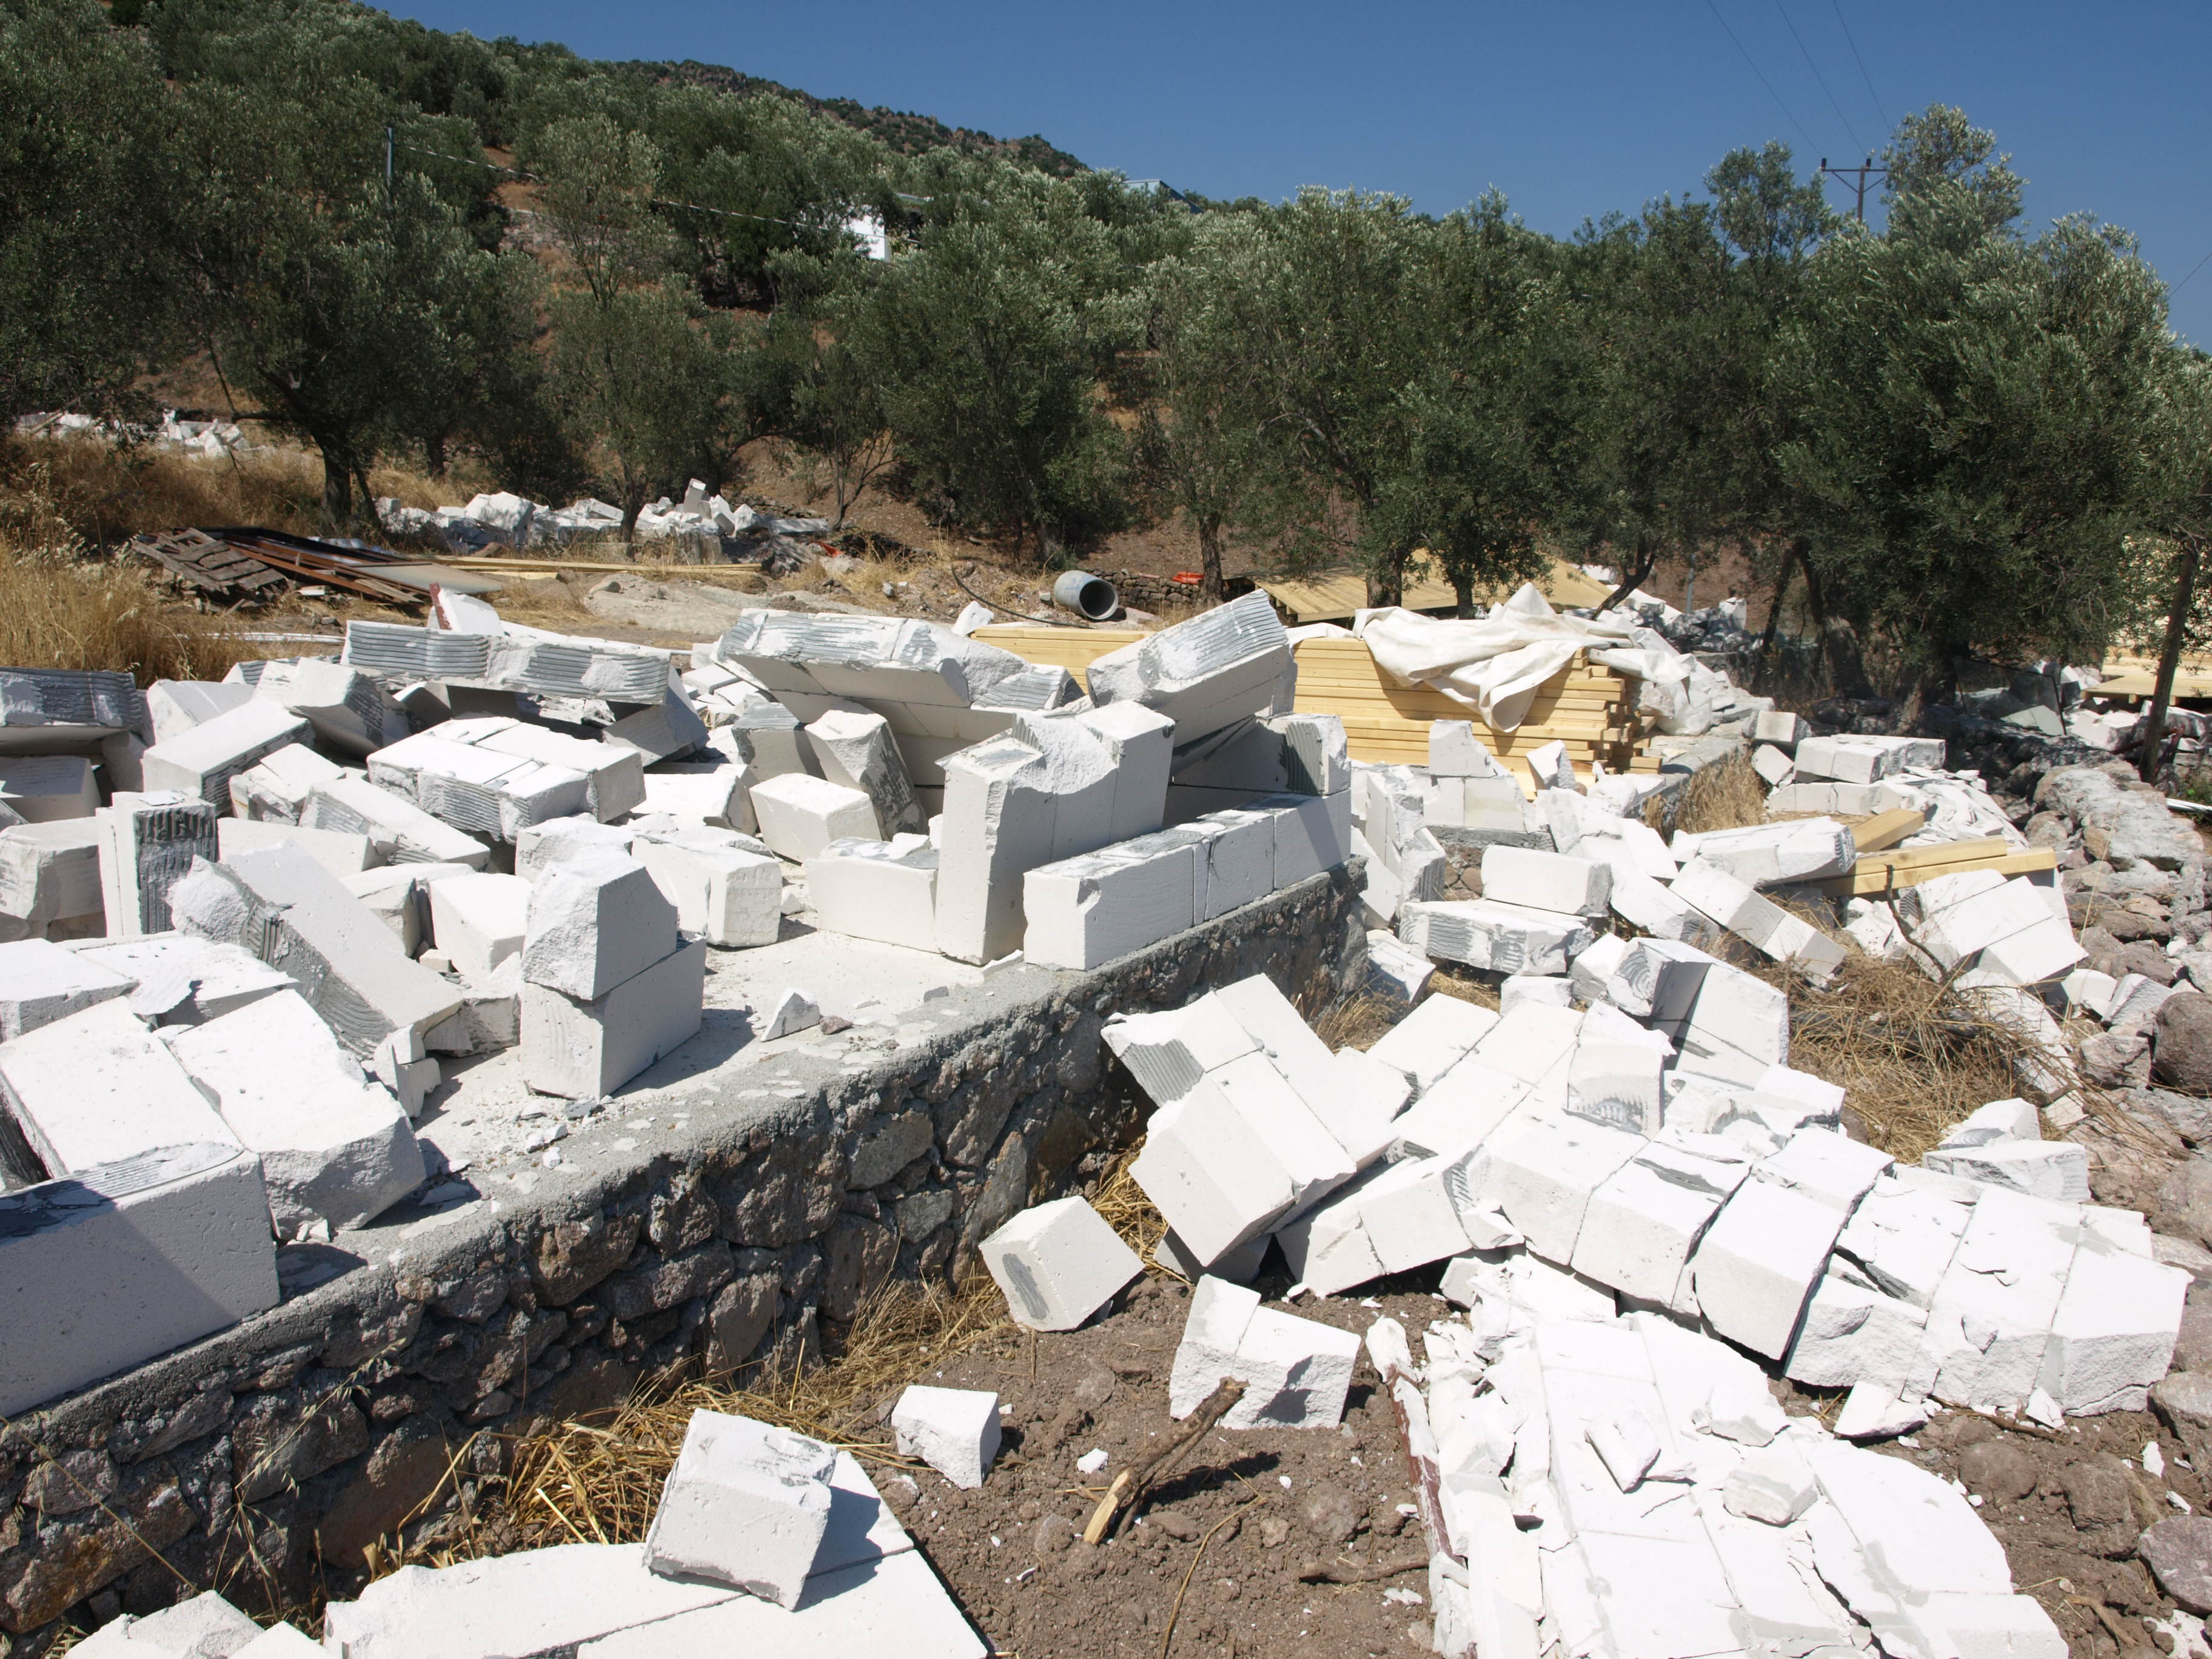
[718,793]
[1707,888]
[1170,1052]
[333,1145]
[1398,975]
[1088,910]
[360,807]
[479,920]
[205,1626]
[876,890]
[201,761]
[1757,1264]
[954,1430]
[45,709]
[475,788]
[2112,1335]
[1546,881]
[175,706]
[594,924]
[275,789]
[349,711]
[47,789]
[1211,1174]
[1764,855]
[1211,674]
[579,1048]
[50,872]
[746,1504]
[147,845]
[40,983]
[730,896]
[799,815]
[104,1269]
[1616,1084]
[856,750]
[613,773]
[1549,990]
[1506,938]
[1455,752]
[1235,859]
[1432,1039]
[96,1087]
[1640,1227]
[1313,833]
[558,840]
[2056,1169]
[184,980]
[1058,1264]
[340,853]
[1540,1176]
[772,741]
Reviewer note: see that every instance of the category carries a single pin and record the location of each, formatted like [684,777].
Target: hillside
[906,133]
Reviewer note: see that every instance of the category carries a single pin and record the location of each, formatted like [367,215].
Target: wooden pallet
[200,560]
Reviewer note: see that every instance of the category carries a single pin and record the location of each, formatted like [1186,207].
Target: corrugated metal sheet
[1336,595]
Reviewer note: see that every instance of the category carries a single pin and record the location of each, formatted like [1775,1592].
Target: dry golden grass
[1722,797]
[1452,980]
[1358,1022]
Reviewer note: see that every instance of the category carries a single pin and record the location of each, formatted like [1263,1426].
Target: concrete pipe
[1090,596]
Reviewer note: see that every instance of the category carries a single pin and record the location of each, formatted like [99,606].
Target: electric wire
[1861,62]
[1761,74]
[2193,270]
[1821,79]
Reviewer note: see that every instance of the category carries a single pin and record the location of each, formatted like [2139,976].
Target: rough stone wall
[782,1194]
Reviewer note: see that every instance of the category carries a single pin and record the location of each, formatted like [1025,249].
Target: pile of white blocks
[610,984]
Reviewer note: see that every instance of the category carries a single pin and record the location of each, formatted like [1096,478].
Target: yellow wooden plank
[1871,878]
[1887,829]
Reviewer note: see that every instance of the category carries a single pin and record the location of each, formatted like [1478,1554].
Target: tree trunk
[1790,559]
[633,503]
[1839,645]
[337,483]
[2153,741]
[1689,583]
[434,454]
[1387,587]
[1462,581]
[1647,559]
[1209,557]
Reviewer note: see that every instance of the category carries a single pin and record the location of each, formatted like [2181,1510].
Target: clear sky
[1572,109]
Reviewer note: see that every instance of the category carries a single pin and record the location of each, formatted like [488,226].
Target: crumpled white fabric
[1494,667]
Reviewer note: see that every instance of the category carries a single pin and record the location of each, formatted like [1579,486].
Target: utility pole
[1858,175]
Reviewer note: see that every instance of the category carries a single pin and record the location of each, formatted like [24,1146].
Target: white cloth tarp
[1494,667]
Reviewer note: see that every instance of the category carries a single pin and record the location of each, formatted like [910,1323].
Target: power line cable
[1817,75]
[1761,74]
[1863,76]
[2193,270]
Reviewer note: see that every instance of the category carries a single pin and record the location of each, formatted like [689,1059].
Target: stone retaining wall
[764,1203]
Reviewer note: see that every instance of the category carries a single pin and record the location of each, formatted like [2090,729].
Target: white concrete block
[1409,1217]
[1826,1165]
[1236,849]
[1327,1246]
[340,853]
[50,872]
[1707,888]
[1552,990]
[1214,1178]
[1484,933]
[201,761]
[1763,855]
[2041,952]
[1058,1264]
[717,792]
[794,1011]
[1642,1223]
[532,1601]
[1213,1330]
[95,1088]
[1774,1484]
[954,1430]
[1462,1111]
[2057,1169]
[1551,769]
[1616,1084]
[1851,1334]
[576,1047]
[2084,991]
[275,790]
[746,1504]
[479,920]
[1905,1239]
[113,1265]
[2112,1335]
[1531,1042]
[1167,1053]
[40,983]
[281,1642]
[539,847]
[48,788]
[349,711]
[1780,729]
[1432,1039]
[1540,1176]
[1898,1533]
[1596,964]
[855,748]
[1992,1317]
[1313,833]
[1455,752]
[1773,765]
[1090,910]
[333,1145]
[1141,745]
[178,979]
[1401,974]
[594,924]
[1209,675]
[667,730]
[1256,1089]
[204,1626]
[1758,1262]
[1297,1373]
[800,815]
[1546,881]
[177,706]
[356,805]
[613,773]
[147,845]
[726,895]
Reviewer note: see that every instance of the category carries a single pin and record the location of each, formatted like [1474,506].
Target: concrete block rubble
[249,925]
[763,1541]
[501,518]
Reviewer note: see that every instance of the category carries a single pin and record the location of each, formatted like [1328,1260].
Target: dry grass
[1358,1022]
[1723,797]
[1913,1057]
[1452,980]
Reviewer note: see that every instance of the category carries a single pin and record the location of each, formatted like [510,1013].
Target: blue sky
[1570,109]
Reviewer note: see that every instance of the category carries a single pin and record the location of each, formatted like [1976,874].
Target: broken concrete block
[1211,674]
[613,773]
[1547,989]
[280,1642]
[1297,1373]
[1546,881]
[1297,754]
[479,920]
[201,761]
[728,895]
[1531,1043]
[746,1504]
[1782,730]
[1851,1334]
[666,728]
[473,788]
[1707,888]
[1170,1053]
[1991,1319]
[1826,1165]
[1758,1262]
[1540,1176]
[1616,1084]
[1774,1484]
[557,841]
[772,741]
[954,1430]
[1765,854]
[147,845]
[1862,759]
[717,793]
[1432,1039]
[333,1147]
[800,815]
[1313,833]
[182,981]
[1058,1264]
[40,983]
[578,1046]
[2113,1333]
[1409,1216]
[595,924]
[1207,1355]
[50,872]
[205,1626]
[1506,938]
[1211,1174]
[855,750]
[46,789]
[1641,1226]
[1455,752]
[349,711]
[1256,1089]
[794,1011]
[1551,769]
[1904,1239]
[340,853]
[1773,765]
[295,915]
[360,807]
[112,1265]
[1236,859]
[1088,910]
[174,707]
[96,1087]
[878,890]
[897,1605]
[2057,1169]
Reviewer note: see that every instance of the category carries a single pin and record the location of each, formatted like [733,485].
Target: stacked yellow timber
[2135,677]
[1908,866]
[1591,710]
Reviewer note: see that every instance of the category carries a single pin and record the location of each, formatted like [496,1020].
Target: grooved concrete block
[1546,881]
[579,1048]
[1865,760]
[1169,1053]
[1398,975]
[1826,1165]
[880,889]
[728,895]
[42,709]
[46,789]
[1211,1174]
[340,853]
[1758,1262]
[358,806]
[533,1602]
[333,1147]
[284,908]
[176,706]
[1088,910]
[479,920]
[41,982]
[1763,855]
[96,1087]
[202,761]
[595,924]
[275,790]
[1211,674]
[856,749]
[1293,754]
[746,1504]
[102,1270]
[954,1430]
[347,710]
[2057,1170]
[1483,933]
[799,815]
[147,846]
[1058,1264]
[1548,989]
[613,773]
[474,787]
[51,872]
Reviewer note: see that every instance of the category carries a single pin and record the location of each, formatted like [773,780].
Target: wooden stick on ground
[1130,1485]
[1322,1572]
